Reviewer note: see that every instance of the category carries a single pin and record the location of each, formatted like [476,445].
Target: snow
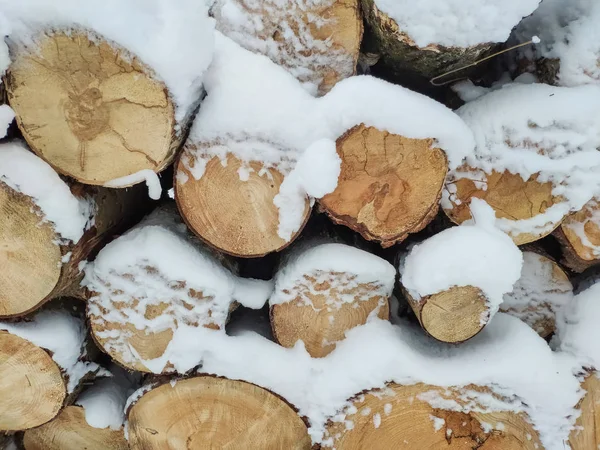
[438,422]
[147,175]
[158,263]
[351,266]
[176,42]
[24,172]
[474,254]
[60,333]
[457,23]
[530,129]
[6,117]
[538,294]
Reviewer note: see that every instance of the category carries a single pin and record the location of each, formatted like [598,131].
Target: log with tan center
[585,434]
[579,236]
[30,245]
[389,185]
[235,216]
[210,412]
[510,196]
[397,417]
[318,42]
[89,108]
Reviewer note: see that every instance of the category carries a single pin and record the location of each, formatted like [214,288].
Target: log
[48,227]
[389,185]
[90,108]
[399,417]
[318,43]
[579,236]
[324,290]
[42,366]
[584,436]
[154,283]
[222,412]
[248,226]
[543,289]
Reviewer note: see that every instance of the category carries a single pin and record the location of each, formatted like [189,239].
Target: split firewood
[579,235]
[212,411]
[48,227]
[402,417]
[42,366]
[317,42]
[543,289]
[324,290]
[584,436]
[155,285]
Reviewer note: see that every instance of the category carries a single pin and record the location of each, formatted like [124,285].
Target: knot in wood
[86,114]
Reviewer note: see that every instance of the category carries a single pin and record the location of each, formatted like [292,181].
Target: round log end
[70,431]
[389,185]
[397,418]
[226,413]
[26,247]
[237,217]
[90,109]
[510,197]
[32,389]
[581,231]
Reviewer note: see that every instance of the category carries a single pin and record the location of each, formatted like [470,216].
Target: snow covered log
[424,416]
[222,412]
[535,159]
[454,294]
[540,293]
[48,227]
[389,185]
[90,108]
[42,366]
[579,236]
[154,287]
[585,435]
[429,38]
[317,42]
[324,290]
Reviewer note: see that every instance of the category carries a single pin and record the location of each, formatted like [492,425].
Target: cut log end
[237,217]
[510,197]
[91,110]
[32,389]
[70,431]
[585,436]
[389,185]
[579,235]
[26,246]
[397,418]
[454,315]
[226,413]
[320,318]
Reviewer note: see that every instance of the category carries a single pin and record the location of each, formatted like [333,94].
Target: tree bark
[389,185]
[104,115]
[226,413]
[379,417]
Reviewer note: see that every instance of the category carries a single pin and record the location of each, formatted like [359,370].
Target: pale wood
[323,46]
[585,435]
[454,315]
[234,216]
[509,196]
[408,424]
[389,185]
[32,388]
[214,413]
[30,246]
[579,254]
[319,325]
[90,109]
[70,431]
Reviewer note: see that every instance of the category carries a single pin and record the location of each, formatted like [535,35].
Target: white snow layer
[158,263]
[147,175]
[24,172]
[530,129]
[63,335]
[568,32]
[6,117]
[176,41]
[457,23]
[321,260]
[474,254]
[538,294]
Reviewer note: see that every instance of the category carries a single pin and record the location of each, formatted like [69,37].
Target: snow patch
[104,403]
[6,117]
[147,175]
